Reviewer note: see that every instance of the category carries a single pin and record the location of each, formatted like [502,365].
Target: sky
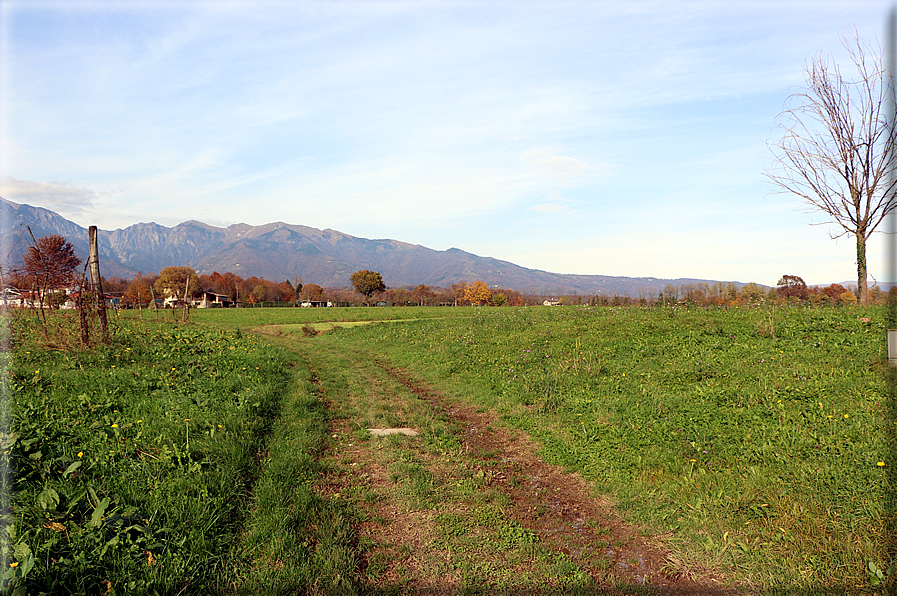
[588,137]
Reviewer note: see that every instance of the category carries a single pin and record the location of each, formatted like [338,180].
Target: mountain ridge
[278,250]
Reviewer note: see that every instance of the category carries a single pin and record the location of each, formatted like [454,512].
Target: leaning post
[96,282]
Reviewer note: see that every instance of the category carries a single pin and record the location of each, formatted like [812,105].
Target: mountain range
[279,251]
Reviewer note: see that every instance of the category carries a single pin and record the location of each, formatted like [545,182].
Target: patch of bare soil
[398,545]
[561,509]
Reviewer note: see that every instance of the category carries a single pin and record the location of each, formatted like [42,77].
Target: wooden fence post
[96,281]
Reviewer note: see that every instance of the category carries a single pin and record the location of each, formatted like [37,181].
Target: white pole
[892,346]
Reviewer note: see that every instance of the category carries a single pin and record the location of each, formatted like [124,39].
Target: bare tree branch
[837,145]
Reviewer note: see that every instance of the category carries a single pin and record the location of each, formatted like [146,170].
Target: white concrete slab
[382,432]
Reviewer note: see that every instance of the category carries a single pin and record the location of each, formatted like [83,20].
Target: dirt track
[400,544]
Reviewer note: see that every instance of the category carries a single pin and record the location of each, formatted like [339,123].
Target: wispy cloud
[562,170]
[415,120]
[554,204]
[52,195]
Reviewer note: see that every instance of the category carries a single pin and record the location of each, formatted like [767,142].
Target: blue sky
[593,137]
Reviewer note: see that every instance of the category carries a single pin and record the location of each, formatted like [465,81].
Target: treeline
[790,289]
[258,291]
[142,288]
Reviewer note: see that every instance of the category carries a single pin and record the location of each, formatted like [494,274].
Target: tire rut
[399,546]
[560,506]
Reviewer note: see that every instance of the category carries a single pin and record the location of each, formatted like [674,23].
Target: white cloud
[555,204]
[562,169]
[52,195]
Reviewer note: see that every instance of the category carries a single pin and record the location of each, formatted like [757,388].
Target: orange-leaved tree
[423,294]
[138,291]
[478,293]
[312,292]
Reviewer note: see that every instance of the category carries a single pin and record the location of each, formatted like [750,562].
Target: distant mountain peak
[278,251]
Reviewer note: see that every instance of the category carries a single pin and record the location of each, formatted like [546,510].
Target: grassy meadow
[183,458]
[138,467]
[756,441]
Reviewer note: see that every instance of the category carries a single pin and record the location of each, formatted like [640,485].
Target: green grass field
[759,441]
[756,438]
[136,464]
[183,458]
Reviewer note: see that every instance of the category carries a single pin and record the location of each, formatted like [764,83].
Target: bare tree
[837,146]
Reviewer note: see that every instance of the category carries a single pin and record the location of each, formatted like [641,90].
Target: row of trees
[479,294]
[790,288]
[51,263]
[368,287]
[179,282]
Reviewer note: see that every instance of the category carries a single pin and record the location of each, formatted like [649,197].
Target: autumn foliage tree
[458,292]
[226,284]
[50,263]
[138,291]
[49,266]
[791,285]
[478,293]
[312,292]
[834,291]
[751,292]
[423,294]
[173,281]
[367,283]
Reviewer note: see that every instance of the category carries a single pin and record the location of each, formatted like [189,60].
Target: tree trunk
[155,306]
[186,290]
[862,290]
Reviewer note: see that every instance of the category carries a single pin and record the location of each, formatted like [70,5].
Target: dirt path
[468,507]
